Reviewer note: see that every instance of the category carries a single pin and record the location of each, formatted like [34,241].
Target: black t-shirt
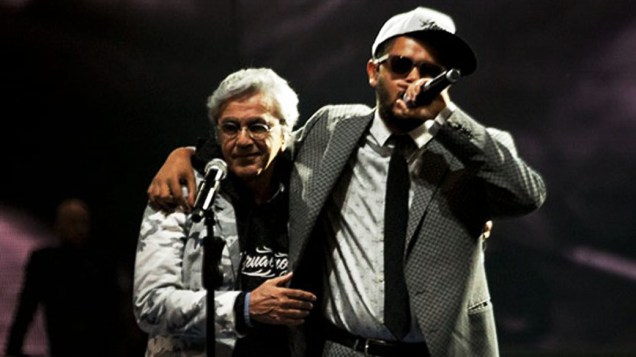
[263,242]
[262,231]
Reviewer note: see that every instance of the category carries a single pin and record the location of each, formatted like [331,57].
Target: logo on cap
[430,25]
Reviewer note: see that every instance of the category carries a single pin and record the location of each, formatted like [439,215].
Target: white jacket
[169,299]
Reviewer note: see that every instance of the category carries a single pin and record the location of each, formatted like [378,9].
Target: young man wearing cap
[431,298]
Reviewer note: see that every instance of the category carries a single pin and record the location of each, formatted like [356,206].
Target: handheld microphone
[215,171]
[431,89]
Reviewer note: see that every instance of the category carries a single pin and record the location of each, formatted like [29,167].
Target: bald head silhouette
[72,222]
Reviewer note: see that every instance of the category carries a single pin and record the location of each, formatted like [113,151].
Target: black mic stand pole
[212,275]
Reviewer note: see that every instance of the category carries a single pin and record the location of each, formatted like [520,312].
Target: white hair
[257,80]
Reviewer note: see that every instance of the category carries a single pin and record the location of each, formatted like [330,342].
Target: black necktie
[397,314]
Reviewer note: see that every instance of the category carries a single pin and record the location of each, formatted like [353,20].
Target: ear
[372,73]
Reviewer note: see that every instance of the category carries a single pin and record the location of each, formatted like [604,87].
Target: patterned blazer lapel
[432,170]
[345,138]
[326,163]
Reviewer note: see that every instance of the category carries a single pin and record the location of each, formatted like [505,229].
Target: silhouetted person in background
[76,288]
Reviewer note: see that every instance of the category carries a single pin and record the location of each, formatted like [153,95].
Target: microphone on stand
[215,171]
[431,89]
[212,271]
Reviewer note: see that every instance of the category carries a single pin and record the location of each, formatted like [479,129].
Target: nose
[243,137]
[413,75]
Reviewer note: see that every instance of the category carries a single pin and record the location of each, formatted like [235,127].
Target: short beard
[385,102]
[385,109]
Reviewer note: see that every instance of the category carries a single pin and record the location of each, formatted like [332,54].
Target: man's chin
[399,121]
[247,173]
[396,110]
[401,111]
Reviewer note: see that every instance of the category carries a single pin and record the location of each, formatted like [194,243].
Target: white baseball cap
[437,29]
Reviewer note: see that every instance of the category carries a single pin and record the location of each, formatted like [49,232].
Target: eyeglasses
[402,65]
[256,131]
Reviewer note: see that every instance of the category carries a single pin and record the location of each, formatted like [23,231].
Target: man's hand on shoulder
[165,191]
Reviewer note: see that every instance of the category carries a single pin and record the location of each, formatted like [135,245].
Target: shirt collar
[380,132]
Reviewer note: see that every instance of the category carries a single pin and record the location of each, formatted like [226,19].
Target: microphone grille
[453,75]
[216,164]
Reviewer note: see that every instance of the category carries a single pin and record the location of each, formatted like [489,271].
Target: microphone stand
[212,277]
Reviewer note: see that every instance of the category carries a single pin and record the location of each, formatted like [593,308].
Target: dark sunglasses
[402,65]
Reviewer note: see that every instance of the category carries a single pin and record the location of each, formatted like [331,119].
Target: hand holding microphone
[215,171]
[431,89]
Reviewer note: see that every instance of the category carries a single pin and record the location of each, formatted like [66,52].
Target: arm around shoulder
[166,188]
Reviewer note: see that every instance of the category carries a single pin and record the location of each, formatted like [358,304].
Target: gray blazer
[470,174]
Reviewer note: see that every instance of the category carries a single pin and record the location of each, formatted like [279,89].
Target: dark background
[95,94]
